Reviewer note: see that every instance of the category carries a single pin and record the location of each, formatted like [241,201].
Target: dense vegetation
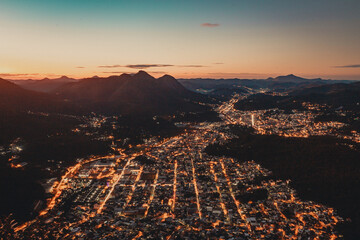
[323,169]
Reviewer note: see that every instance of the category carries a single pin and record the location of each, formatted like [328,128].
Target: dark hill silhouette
[135,94]
[292,78]
[45,85]
[14,99]
[327,89]
[280,83]
[335,95]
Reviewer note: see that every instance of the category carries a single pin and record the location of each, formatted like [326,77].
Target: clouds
[210,25]
[136,66]
[18,74]
[110,66]
[21,76]
[349,66]
[120,72]
[116,72]
[146,66]
[191,66]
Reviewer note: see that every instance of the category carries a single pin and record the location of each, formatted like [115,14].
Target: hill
[344,95]
[282,83]
[24,113]
[14,99]
[136,94]
[45,85]
[293,78]
[335,95]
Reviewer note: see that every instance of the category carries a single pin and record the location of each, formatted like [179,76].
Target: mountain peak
[139,93]
[290,77]
[167,76]
[143,75]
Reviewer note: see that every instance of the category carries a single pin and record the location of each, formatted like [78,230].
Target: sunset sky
[187,39]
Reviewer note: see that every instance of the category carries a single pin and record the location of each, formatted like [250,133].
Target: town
[171,189]
[294,124]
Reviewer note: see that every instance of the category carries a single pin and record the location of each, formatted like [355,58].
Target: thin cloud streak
[136,66]
[113,72]
[18,74]
[191,66]
[210,25]
[146,66]
[110,66]
[348,66]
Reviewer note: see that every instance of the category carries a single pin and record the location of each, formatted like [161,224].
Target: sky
[187,39]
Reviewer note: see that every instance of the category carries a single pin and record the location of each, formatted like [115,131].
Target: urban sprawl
[171,189]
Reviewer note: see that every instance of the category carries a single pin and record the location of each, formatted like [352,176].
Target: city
[172,189]
[172,120]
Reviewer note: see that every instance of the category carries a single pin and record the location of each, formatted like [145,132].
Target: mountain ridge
[138,93]
[15,99]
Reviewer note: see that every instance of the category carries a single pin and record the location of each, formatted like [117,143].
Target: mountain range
[15,99]
[278,83]
[44,85]
[338,95]
[136,94]
[139,93]
[142,94]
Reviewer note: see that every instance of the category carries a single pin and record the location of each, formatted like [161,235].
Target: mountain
[135,94]
[326,89]
[283,83]
[208,84]
[344,95]
[45,85]
[336,95]
[291,81]
[292,78]
[14,99]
